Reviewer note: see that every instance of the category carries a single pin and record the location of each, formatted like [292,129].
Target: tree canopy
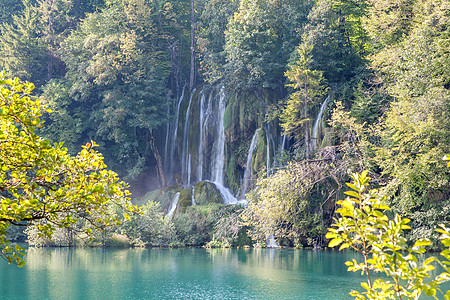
[309,88]
[41,184]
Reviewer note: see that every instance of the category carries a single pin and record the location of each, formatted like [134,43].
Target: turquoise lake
[191,273]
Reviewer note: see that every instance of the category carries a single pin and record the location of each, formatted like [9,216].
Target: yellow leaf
[420,243]
[334,242]
[344,246]
[352,193]
[348,205]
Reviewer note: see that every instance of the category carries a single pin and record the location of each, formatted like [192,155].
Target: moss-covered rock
[234,173]
[206,193]
[259,158]
[328,137]
[185,200]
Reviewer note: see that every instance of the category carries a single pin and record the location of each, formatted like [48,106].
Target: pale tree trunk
[192,75]
[159,164]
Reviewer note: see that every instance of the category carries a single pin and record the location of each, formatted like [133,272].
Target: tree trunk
[192,75]
[159,164]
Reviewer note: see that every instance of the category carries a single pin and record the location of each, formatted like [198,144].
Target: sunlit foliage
[41,185]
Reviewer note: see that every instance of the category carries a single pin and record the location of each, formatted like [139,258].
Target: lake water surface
[192,273]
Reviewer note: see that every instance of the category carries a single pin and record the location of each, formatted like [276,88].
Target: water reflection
[62,273]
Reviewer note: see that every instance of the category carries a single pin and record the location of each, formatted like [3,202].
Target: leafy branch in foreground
[364,227]
[41,185]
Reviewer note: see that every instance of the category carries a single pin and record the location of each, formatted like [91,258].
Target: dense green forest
[202,100]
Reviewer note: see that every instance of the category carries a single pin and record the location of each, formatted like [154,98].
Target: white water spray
[173,140]
[270,242]
[219,153]
[185,163]
[193,197]
[315,132]
[189,170]
[267,155]
[166,144]
[248,167]
[173,205]
[200,136]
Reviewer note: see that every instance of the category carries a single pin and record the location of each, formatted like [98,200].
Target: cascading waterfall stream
[316,127]
[200,136]
[219,153]
[185,162]
[193,196]
[269,140]
[248,167]
[173,204]
[166,144]
[267,156]
[270,242]
[189,170]
[283,143]
[173,140]
[206,161]
[208,121]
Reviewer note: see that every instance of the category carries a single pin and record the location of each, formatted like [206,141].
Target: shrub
[364,227]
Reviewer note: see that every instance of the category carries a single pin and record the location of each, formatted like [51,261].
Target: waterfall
[208,127]
[269,140]
[270,242]
[248,166]
[207,161]
[283,143]
[184,154]
[193,197]
[315,132]
[173,205]
[189,170]
[227,196]
[200,136]
[175,132]
[166,144]
[267,155]
[219,153]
